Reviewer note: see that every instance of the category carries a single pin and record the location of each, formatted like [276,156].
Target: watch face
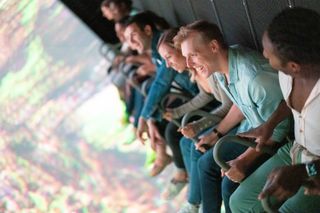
[311,169]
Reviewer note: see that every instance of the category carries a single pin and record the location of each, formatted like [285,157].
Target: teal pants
[244,199]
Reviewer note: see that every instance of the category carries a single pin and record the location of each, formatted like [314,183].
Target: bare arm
[233,117]
[200,100]
[241,164]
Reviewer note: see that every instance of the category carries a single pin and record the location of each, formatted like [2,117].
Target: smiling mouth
[200,69]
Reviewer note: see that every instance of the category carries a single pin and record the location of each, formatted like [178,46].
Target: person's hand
[261,134]
[155,136]
[168,114]
[284,182]
[312,186]
[206,141]
[132,59]
[146,69]
[142,128]
[188,131]
[237,170]
[116,61]
[139,59]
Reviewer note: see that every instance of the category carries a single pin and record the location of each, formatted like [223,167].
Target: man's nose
[189,62]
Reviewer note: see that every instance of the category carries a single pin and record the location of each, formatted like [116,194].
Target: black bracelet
[219,134]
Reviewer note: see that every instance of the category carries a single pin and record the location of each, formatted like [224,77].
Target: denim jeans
[213,186]
[205,183]
[190,158]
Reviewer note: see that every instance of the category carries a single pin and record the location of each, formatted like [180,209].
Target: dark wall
[89,12]
[241,21]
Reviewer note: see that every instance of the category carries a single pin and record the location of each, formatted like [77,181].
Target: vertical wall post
[215,11]
[252,31]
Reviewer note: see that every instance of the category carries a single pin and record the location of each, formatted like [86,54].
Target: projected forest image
[65,145]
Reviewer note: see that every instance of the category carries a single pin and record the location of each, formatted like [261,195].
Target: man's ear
[148,30]
[294,67]
[214,45]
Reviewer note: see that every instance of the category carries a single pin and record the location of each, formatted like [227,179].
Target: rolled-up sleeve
[266,95]
[196,102]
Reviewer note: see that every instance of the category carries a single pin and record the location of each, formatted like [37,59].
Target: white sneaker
[189,208]
[201,208]
[173,189]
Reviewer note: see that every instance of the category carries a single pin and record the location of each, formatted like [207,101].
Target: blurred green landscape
[64,144]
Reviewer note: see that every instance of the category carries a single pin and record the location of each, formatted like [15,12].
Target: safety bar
[176,95]
[201,113]
[268,207]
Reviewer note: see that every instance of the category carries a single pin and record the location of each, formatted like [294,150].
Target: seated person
[246,78]
[291,44]
[119,72]
[117,9]
[143,36]
[174,59]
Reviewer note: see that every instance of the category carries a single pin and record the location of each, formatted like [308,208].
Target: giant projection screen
[64,146]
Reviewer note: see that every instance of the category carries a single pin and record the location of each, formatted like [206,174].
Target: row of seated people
[257,101]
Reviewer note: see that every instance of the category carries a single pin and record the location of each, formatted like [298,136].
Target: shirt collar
[154,42]
[232,62]
[314,93]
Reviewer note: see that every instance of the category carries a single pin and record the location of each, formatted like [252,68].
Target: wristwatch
[311,169]
[219,134]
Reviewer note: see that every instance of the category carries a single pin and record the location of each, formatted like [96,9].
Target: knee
[184,145]
[236,201]
[204,165]
[207,164]
[228,187]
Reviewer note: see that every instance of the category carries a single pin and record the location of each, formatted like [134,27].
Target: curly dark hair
[295,35]
[148,18]
[106,3]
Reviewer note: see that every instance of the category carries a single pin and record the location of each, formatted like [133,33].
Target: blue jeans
[190,157]
[205,183]
[213,187]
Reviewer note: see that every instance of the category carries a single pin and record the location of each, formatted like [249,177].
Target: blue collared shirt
[162,82]
[254,88]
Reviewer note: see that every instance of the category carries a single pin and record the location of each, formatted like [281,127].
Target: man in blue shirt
[142,35]
[253,87]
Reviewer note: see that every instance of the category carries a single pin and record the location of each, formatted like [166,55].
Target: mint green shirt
[254,88]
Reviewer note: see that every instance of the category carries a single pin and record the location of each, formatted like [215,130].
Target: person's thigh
[245,198]
[301,203]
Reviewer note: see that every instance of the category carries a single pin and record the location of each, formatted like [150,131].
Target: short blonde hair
[180,37]
[207,30]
